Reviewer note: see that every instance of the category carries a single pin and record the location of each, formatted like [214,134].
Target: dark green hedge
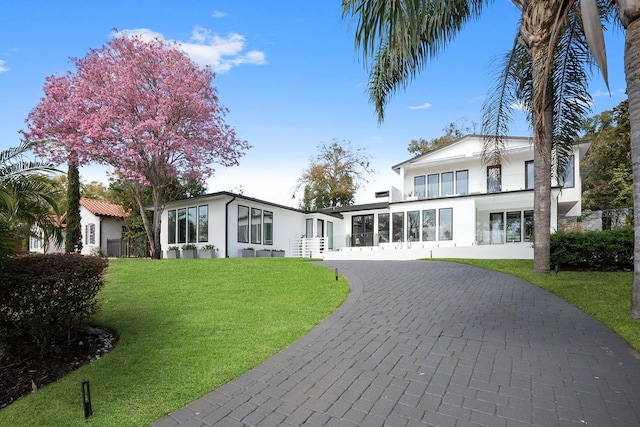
[44,296]
[608,250]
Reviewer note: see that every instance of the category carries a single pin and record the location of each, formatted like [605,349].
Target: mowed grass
[605,296]
[186,327]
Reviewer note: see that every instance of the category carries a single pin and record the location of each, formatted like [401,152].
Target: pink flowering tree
[143,108]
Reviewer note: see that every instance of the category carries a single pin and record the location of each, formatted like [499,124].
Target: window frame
[256,226]
[448,185]
[267,227]
[245,227]
[413,226]
[529,169]
[429,225]
[433,187]
[420,189]
[494,178]
[466,181]
[444,212]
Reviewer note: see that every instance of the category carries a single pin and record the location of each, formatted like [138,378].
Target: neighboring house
[451,205]
[100,221]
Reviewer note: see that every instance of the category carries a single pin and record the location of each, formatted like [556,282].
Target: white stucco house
[100,222]
[450,204]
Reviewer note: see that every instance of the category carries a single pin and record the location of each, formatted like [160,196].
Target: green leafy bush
[43,296]
[608,250]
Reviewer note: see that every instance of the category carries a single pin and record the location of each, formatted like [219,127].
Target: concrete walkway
[430,343]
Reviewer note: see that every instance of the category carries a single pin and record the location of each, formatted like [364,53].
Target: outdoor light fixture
[336,274]
[86,399]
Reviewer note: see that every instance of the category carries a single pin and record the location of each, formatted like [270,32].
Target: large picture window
[256,225]
[433,184]
[419,186]
[182,225]
[429,225]
[203,223]
[171,227]
[268,227]
[398,226]
[192,224]
[446,224]
[514,227]
[496,227]
[462,182]
[447,184]
[528,226]
[243,224]
[528,174]
[413,226]
[383,228]
[494,179]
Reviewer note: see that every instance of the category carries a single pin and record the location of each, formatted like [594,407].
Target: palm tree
[27,198]
[403,35]
[629,13]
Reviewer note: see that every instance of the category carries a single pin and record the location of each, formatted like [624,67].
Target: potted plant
[173,252]
[189,251]
[207,251]
[264,253]
[247,252]
[277,253]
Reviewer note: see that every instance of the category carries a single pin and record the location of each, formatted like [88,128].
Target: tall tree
[402,36]
[609,183]
[453,131]
[73,238]
[334,176]
[143,108]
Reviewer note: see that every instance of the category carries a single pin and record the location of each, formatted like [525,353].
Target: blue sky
[287,71]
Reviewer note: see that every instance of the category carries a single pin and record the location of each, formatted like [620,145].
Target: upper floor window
[462,182]
[447,184]
[419,186]
[566,178]
[528,174]
[433,184]
[494,179]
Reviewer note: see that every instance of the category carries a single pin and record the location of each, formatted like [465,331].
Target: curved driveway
[442,344]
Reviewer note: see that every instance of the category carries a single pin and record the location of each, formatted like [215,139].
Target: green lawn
[186,327]
[604,295]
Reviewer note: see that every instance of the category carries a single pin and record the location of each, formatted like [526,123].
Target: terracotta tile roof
[102,208]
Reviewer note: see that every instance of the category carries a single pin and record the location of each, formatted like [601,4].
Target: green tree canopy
[334,176]
[609,184]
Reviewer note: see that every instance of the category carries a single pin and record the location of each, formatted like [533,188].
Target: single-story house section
[450,205]
[100,221]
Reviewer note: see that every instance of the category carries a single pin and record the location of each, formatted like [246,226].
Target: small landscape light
[86,399]
[336,274]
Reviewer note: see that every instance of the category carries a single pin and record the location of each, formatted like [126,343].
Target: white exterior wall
[86,219]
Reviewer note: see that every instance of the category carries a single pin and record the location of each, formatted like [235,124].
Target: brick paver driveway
[442,344]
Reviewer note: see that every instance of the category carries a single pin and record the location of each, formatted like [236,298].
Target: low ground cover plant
[186,327]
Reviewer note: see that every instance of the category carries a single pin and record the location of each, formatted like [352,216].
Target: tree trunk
[632,72]
[73,238]
[542,197]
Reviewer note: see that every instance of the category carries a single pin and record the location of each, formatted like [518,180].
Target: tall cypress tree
[73,240]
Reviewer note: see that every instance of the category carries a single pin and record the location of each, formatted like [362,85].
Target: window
[462,182]
[447,184]
[413,226]
[182,225]
[514,227]
[433,185]
[429,225]
[419,186]
[398,226]
[243,224]
[256,225]
[362,230]
[496,227]
[566,179]
[309,232]
[90,234]
[203,223]
[494,179]
[383,228]
[528,174]
[268,227]
[330,234]
[528,226]
[192,224]
[446,224]
[171,227]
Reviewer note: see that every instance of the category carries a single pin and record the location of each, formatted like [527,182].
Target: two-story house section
[451,198]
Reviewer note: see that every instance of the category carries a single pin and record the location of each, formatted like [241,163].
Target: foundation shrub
[607,250]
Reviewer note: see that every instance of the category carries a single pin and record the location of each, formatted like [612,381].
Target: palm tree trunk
[542,196]
[632,71]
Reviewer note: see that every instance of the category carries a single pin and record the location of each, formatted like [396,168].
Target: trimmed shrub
[608,250]
[43,296]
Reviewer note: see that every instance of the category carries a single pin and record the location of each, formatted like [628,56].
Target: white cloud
[519,106]
[218,14]
[420,107]
[3,67]
[220,52]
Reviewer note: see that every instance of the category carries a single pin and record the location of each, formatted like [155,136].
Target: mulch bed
[25,373]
